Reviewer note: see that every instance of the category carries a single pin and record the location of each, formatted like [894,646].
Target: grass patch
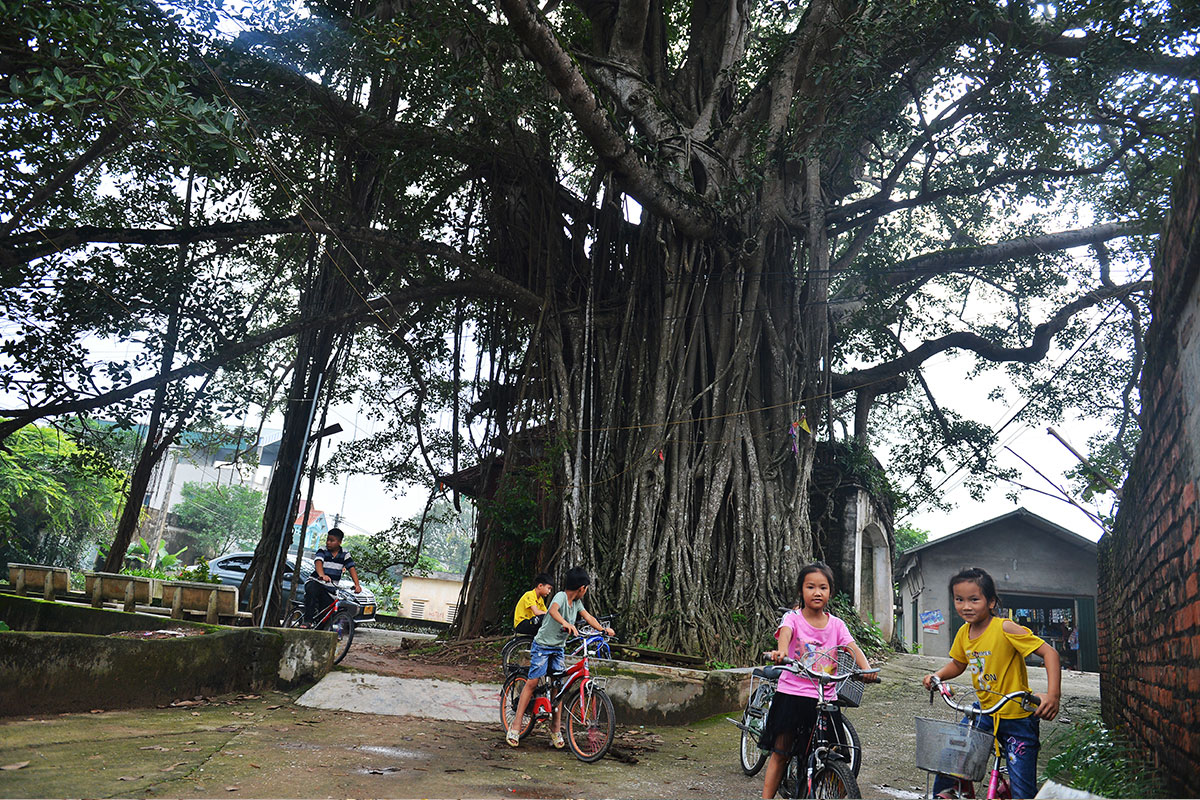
[1102,761]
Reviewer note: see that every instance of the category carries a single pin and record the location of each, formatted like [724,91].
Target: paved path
[271,746]
[365,693]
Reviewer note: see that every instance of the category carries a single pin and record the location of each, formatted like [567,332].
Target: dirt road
[268,746]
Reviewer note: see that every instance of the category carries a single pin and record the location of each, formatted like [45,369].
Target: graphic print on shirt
[815,659]
[977,660]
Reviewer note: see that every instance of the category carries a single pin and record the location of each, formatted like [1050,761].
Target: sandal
[556,740]
[512,737]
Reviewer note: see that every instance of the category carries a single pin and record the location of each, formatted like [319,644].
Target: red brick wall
[1149,602]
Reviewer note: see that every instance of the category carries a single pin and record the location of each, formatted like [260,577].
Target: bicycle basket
[849,691]
[952,748]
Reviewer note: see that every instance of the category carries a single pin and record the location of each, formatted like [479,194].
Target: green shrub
[1099,760]
[866,633]
[197,574]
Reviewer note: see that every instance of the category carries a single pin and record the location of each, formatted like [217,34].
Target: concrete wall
[859,550]
[645,694]
[1149,609]
[59,657]
[439,593]
[1022,558]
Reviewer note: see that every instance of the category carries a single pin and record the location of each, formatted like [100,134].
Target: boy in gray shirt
[546,652]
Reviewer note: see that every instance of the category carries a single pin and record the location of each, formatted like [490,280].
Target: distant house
[1045,574]
[433,596]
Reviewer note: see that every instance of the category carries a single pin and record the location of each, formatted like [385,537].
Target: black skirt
[791,714]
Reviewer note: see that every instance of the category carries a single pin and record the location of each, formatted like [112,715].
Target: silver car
[231,570]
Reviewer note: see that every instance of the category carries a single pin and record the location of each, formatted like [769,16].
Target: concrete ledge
[59,658]
[645,694]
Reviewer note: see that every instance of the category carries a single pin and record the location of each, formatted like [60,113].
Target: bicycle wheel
[510,696]
[515,655]
[753,717]
[834,779]
[591,723]
[792,783]
[343,625]
[294,619]
[853,753]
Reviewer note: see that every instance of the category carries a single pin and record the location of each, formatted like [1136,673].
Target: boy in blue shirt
[328,564]
[546,652]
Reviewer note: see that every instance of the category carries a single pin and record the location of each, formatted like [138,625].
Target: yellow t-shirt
[525,606]
[997,663]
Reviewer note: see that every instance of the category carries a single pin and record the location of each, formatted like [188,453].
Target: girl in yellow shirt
[995,649]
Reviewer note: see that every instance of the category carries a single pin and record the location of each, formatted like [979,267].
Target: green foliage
[197,573]
[1094,758]
[718,665]
[859,465]
[867,634]
[908,537]
[382,554]
[56,501]
[387,595]
[146,572]
[167,562]
[4,626]
[515,513]
[222,518]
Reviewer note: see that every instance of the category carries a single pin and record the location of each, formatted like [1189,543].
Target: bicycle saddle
[770,673]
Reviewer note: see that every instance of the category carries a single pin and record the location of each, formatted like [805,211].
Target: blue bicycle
[514,656]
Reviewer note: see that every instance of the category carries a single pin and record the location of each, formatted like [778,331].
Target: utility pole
[165,508]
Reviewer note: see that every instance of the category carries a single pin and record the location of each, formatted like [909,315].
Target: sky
[1031,441]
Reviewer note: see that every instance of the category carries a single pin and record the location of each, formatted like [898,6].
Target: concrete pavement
[365,693]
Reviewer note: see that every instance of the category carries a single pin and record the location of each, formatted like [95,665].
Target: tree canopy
[222,518]
[56,499]
[648,245]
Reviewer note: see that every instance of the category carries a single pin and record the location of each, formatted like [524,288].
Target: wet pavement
[271,745]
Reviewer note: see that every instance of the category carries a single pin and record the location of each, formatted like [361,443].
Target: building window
[418,609]
[451,611]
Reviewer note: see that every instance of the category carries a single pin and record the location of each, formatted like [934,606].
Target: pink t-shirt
[814,647]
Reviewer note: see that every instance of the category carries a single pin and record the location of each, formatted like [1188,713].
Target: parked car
[231,570]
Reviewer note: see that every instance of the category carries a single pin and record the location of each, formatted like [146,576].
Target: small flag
[803,423]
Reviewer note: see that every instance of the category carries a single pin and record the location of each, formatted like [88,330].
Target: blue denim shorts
[543,659]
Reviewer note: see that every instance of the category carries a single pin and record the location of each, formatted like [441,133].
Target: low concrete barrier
[645,694]
[59,657]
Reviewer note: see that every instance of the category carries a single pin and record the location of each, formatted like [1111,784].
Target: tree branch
[638,179]
[19,417]
[848,298]
[45,241]
[983,347]
[1051,42]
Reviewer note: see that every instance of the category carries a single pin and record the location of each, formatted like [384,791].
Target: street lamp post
[312,413]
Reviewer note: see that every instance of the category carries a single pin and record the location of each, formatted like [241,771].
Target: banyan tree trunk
[678,376]
[686,482]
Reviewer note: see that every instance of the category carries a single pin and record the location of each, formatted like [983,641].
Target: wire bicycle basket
[953,748]
[849,691]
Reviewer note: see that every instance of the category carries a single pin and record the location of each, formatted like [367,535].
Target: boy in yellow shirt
[532,606]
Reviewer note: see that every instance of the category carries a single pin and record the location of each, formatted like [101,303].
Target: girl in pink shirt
[810,636]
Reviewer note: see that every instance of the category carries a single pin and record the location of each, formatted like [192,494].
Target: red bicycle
[337,617]
[588,722]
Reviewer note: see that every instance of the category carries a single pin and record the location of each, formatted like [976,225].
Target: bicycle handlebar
[794,666]
[589,632]
[1029,700]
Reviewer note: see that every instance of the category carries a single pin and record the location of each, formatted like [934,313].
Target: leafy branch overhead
[636,242]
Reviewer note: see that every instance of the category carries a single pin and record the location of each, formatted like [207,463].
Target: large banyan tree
[689,239]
